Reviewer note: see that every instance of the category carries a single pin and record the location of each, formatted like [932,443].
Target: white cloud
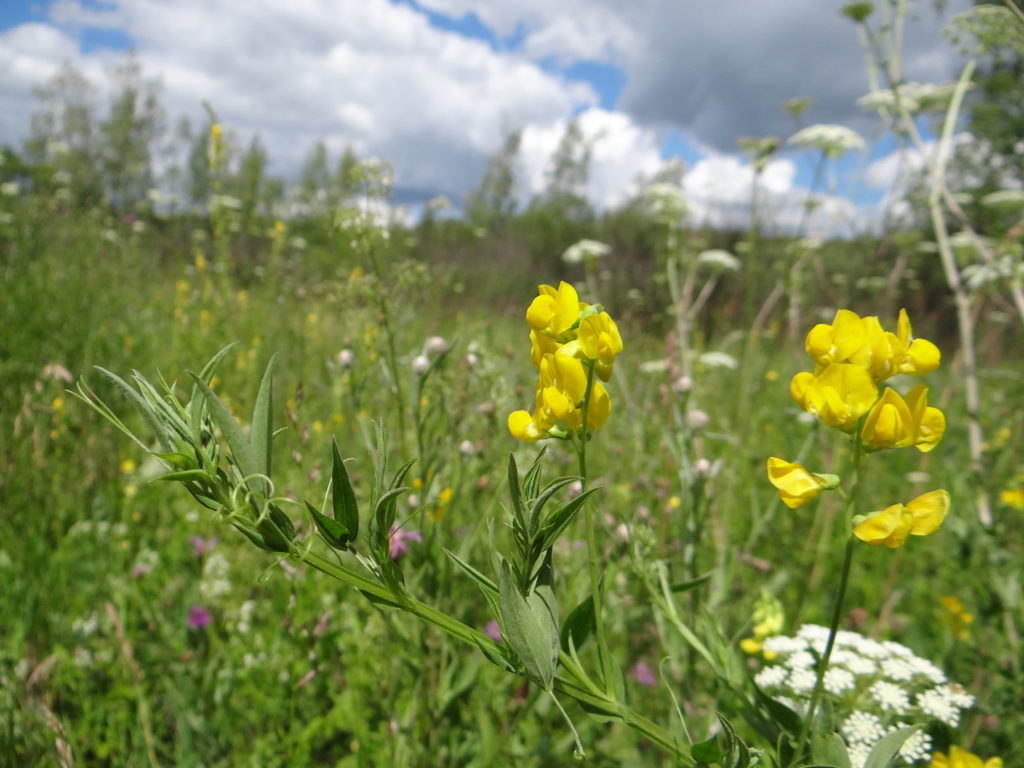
[366,72]
[622,155]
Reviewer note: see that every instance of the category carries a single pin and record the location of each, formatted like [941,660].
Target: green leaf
[531,483]
[177,460]
[241,450]
[553,487]
[887,747]
[186,475]
[140,403]
[707,751]
[329,528]
[829,749]
[262,427]
[529,630]
[558,522]
[485,583]
[515,491]
[195,403]
[343,498]
[685,586]
[737,754]
[579,625]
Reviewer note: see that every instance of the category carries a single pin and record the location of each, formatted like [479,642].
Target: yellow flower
[796,485]
[862,341]
[554,311]
[961,758]
[835,343]
[1014,497]
[956,616]
[599,340]
[838,395]
[891,526]
[897,423]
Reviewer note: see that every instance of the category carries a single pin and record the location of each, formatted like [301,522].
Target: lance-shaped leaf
[329,528]
[343,497]
[887,746]
[558,522]
[141,405]
[261,430]
[528,626]
[241,450]
[516,492]
[579,625]
[195,403]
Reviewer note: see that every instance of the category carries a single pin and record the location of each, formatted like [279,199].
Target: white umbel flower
[862,728]
[838,680]
[833,140]
[890,697]
[771,676]
[917,747]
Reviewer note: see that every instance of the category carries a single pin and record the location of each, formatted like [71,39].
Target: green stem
[455,628]
[592,551]
[837,606]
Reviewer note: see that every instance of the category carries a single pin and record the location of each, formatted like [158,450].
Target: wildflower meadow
[295,481]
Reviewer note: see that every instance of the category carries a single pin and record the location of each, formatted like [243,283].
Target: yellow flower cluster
[956,616]
[852,355]
[567,337]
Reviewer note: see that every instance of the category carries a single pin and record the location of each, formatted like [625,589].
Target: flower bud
[420,364]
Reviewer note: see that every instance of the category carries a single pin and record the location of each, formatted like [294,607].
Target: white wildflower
[697,419]
[770,676]
[215,581]
[720,260]
[926,668]
[420,364]
[780,644]
[917,747]
[897,669]
[585,250]
[839,680]
[833,140]
[890,697]
[801,680]
[862,728]
[719,360]
[800,660]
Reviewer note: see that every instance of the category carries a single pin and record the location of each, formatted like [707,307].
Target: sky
[434,86]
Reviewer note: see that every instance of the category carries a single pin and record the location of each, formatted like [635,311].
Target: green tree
[132,126]
[63,133]
[494,202]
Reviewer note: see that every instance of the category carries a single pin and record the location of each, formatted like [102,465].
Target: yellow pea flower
[795,484]
[891,526]
[522,427]
[917,356]
[554,311]
[838,341]
[961,758]
[895,422]
[599,340]
[838,395]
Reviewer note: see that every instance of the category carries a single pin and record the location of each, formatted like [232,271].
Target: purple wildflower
[397,543]
[201,546]
[198,617]
[643,674]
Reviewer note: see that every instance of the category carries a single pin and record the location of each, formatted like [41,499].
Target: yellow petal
[819,341]
[848,334]
[795,484]
[889,528]
[931,429]
[889,424]
[600,406]
[922,357]
[928,511]
[798,388]
[541,312]
[570,376]
[567,308]
[521,426]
